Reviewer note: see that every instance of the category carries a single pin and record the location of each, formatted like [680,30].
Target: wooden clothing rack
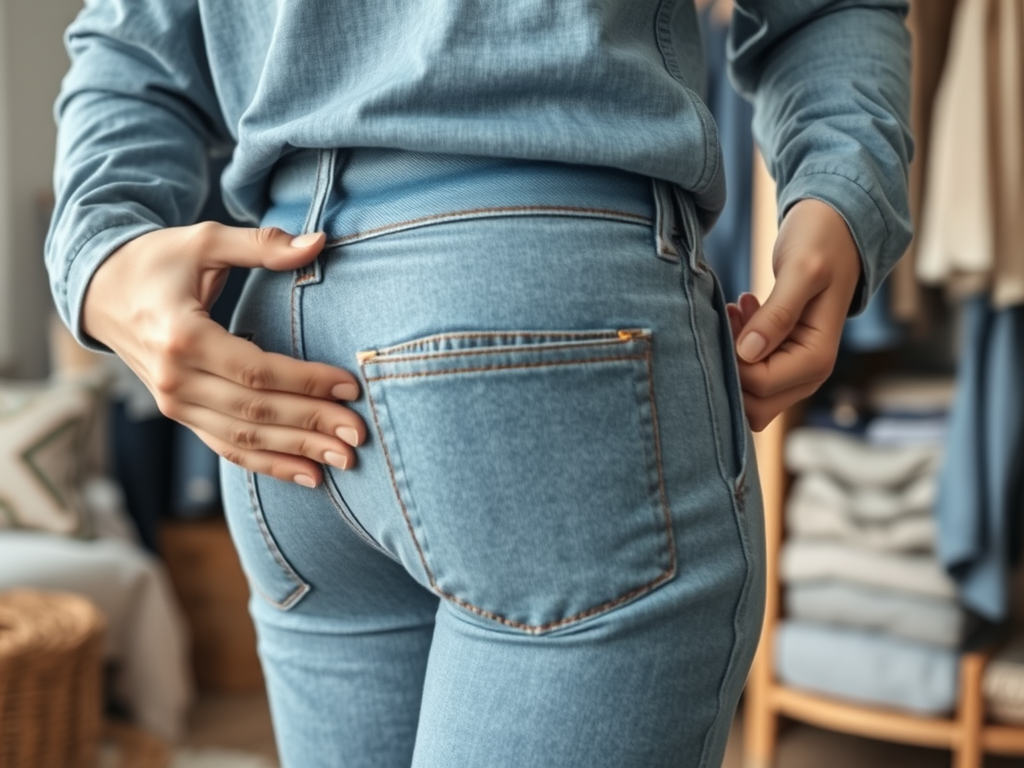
[767,699]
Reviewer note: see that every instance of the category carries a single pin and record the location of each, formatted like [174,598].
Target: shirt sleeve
[137,121]
[830,83]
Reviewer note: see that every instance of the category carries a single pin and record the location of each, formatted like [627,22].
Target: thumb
[267,247]
[772,323]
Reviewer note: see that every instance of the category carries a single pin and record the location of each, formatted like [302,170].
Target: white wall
[32,63]
[6,261]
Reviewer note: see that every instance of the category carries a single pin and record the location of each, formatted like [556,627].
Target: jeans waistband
[357,194]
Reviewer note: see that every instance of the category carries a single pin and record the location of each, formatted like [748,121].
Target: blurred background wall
[32,63]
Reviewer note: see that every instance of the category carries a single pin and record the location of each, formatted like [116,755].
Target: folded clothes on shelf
[866,667]
[855,463]
[808,560]
[911,394]
[909,615]
[907,430]
[1003,683]
[809,516]
[868,504]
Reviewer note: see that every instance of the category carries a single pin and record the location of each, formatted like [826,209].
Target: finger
[748,304]
[269,407]
[735,320]
[806,356]
[803,358]
[780,313]
[289,469]
[223,354]
[249,436]
[761,411]
[219,246]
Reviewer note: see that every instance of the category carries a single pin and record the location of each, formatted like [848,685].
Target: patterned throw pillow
[43,429]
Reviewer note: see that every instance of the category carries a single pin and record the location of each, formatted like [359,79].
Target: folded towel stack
[871,615]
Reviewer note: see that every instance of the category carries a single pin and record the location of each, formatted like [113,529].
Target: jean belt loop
[666,225]
[323,184]
[690,236]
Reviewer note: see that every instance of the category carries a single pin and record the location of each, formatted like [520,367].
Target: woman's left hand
[787,347]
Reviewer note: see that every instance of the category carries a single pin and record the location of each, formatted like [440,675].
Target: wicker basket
[51,647]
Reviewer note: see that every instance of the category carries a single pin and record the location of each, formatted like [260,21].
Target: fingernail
[336,460]
[751,346]
[305,480]
[304,241]
[349,435]
[345,392]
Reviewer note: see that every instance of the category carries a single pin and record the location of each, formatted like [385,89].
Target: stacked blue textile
[871,614]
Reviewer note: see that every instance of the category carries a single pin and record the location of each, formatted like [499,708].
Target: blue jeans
[551,550]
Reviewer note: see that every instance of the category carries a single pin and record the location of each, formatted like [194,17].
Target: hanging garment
[980,497]
[930,23]
[972,227]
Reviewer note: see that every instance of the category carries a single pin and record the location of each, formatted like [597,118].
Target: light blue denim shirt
[156,86]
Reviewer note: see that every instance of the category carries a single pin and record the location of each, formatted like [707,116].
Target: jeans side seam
[666,575]
[730,486]
[741,606]
[455,371]
[715,421]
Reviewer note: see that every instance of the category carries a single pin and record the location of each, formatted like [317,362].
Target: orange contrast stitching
[657,460]
[537,629]
[492,350]
[492,334]
[501,367]
[530,628]
[394,485]
[484,211]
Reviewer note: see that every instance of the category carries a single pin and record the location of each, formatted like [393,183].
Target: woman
[486,460]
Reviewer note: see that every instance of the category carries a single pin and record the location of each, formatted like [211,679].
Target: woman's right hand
[270,413]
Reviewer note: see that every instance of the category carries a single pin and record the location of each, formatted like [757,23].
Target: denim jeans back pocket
[269,574]
[527,467]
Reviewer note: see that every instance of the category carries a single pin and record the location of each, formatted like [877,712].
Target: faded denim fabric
[551,550]
[981,490]
[157,85]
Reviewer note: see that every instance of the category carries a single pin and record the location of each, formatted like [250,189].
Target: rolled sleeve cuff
[862,215]
[84,261]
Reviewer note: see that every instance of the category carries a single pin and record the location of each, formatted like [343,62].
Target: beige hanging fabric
[1006,135]
[972,232]
[930,23]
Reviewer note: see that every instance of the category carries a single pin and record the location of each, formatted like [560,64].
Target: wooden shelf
[876,723]
[1003,740]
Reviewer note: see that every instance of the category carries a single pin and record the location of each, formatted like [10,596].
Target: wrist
[816,235]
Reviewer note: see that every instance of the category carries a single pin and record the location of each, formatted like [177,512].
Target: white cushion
[43,428]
